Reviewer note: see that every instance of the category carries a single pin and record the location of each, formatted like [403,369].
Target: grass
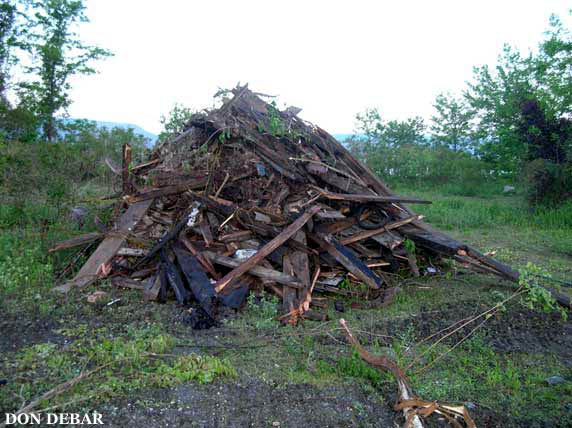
[144,349]
[143,358]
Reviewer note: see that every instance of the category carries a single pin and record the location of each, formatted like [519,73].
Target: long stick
[59,389]
[387,364]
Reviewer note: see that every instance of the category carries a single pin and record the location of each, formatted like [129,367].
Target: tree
[175,121]
[452,126]
[496,97]
[406,132]
[60,54]
[12,37]
[388,147]
[391,134]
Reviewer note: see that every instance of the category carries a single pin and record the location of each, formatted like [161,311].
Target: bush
[547,184]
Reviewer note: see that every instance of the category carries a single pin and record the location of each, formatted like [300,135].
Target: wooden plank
[77,240]
[206,232]
[204,261]
[342,225]
[288,293]
[342,183]
[368,198]
[121,281]
[108,248]
[369,233]
[348,259]
[267,249]
[152,288]
[258,271]
[241,235]
[126,162]
[169,190]
[143,166]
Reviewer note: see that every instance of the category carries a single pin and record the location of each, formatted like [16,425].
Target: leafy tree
[496,97]
[553,68]
[400,133]
[12,38]
[175,121]
[452,126]
[60,54]
[385,145]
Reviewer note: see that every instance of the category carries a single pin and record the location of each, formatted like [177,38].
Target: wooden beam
[108,248]
[368,198]
[169,190]
[258,271]
[76,241]
[267,249]
[348,259]
[126,161]
[369,233]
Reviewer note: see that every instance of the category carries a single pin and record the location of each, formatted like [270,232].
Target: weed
[140,360]
[262,311]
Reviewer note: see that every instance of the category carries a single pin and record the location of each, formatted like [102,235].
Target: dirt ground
[281,378]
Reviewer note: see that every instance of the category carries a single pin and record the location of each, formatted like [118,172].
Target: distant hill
[342,137]
[149,136]
[136,129]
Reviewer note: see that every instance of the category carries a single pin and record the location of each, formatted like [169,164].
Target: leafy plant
[175,121]
[537,296]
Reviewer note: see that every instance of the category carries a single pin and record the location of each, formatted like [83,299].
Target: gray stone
[509,189]
[470,406]
[553,380]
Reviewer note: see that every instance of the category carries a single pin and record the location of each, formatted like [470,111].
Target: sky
[332,58]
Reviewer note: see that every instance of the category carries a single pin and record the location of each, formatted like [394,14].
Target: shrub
[547,183]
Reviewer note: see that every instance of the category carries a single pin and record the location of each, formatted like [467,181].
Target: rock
[470,406]
[78,216]
[553,380]
[96,296]
[509,189]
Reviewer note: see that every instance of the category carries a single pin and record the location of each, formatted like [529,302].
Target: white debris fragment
[244,254]
[193,216]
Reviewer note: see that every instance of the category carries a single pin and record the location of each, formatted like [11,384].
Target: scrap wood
[108,248]
[77,241]
[267,249]
[250,188]
[387,364]
[57,390]
[122,281]
[413,408]
[200,257]
[126,162]
[368,198]
[348,259]
[370,233]
[168,191]
[258,271]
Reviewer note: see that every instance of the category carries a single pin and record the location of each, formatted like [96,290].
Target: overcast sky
[331,58]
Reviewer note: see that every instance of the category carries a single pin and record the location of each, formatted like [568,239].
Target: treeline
[512,121]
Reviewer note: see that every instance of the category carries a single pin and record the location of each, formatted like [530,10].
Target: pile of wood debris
[249,197]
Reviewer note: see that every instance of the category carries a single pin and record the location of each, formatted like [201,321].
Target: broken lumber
[108,248]
[267,249]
